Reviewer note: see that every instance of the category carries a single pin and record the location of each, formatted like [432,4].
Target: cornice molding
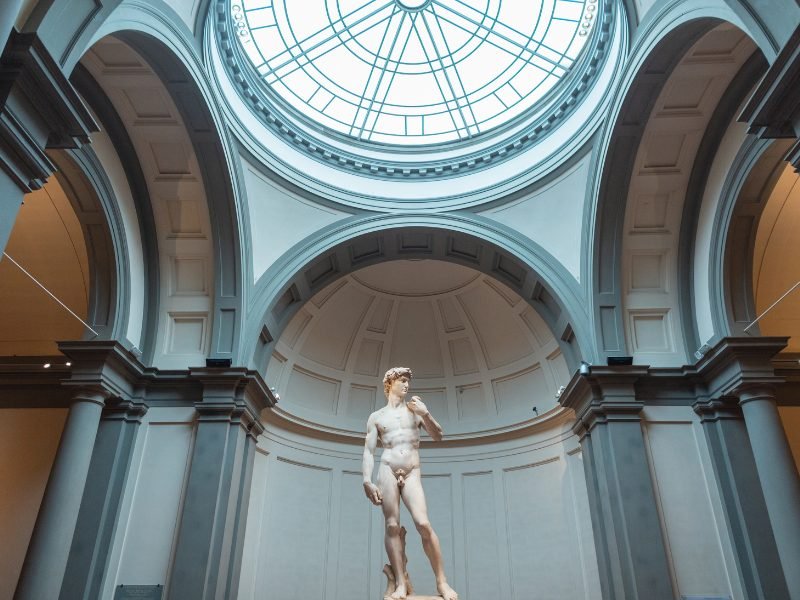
[603,395]
[737,363]
[773,111]
[733,367]
[561,106]
[238,394]
[39,110]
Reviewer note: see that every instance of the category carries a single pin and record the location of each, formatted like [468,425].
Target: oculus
[410,73]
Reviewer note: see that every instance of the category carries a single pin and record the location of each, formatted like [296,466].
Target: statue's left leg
[414,499]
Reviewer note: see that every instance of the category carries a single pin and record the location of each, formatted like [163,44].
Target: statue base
[390,580]
[416,597]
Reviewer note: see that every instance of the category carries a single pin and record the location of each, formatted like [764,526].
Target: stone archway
[521,265]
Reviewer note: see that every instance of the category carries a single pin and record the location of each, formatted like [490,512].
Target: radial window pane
[411,72]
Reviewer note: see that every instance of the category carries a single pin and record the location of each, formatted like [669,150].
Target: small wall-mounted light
[536,411]
[702,351]
[68,364]
[46,365]
[585,368]
[619,361]
[218,363]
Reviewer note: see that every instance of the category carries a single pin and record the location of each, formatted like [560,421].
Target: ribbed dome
[482,357]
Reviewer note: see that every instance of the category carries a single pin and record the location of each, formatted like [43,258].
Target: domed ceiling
[449,103]
[411,71]
[482,357]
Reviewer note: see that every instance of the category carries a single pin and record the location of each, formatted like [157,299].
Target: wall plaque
[139,592]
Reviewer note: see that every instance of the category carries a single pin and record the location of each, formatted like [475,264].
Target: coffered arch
[471,241]
[191,184]
[643,180]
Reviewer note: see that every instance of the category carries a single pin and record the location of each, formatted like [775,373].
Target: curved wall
[512,517]
[46,241]
[482,357]
[505,488]
[775,266]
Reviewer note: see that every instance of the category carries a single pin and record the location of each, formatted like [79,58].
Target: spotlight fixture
[536,411]
[702,351]
[619,361]
[218,363]
[46,365]
[67,364]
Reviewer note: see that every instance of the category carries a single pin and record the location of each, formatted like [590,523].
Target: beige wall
[28,442]
[46,241]
[790,415]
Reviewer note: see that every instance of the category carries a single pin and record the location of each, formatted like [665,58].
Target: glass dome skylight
[411,72]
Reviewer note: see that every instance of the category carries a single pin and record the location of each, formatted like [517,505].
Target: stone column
[210,538]
[778,475]
[631,550]
[99,513]
[46,559]
[746,517]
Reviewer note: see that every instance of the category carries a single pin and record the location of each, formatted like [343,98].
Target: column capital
[236,394]
[603,395]
[736,364]
[39,109]
[90,394]
[756,391]
[104,365]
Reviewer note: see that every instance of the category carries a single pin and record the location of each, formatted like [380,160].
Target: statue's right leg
[387,484]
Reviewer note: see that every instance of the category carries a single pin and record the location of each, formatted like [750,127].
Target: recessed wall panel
[539,534]
[153,522]
[299,516]
[480,536]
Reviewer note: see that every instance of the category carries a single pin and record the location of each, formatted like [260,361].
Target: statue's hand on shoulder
[373,493]
[417,406]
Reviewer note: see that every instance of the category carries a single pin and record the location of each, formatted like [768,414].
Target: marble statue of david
[397,426]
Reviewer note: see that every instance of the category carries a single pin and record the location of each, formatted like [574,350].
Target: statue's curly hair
[393,374]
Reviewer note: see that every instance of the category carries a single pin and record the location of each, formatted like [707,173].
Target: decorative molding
[604,395]
[39,110]
[237,393]
[561,106]
[773,110]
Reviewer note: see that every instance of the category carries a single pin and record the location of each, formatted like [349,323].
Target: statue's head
[393,375]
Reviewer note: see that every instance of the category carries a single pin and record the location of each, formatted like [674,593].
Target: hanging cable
[773,305]
[49,293]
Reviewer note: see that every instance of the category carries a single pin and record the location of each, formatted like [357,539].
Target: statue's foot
[399,593]
[446,592]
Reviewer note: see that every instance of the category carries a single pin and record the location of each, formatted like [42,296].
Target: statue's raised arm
[417,406]
[397,425]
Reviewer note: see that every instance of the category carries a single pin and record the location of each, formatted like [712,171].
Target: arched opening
[489,369]
[657,169]
[776,270]
[63,239]
[177,168]
[519,264]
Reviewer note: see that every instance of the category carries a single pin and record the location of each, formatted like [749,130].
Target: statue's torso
[398,430]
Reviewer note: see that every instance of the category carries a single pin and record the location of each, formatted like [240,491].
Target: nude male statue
[397,426]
